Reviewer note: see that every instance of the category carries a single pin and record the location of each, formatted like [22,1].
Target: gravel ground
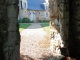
[35,43]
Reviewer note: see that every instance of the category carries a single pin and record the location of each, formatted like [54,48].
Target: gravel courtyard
[35,43]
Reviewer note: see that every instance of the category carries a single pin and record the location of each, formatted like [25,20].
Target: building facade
[34,10]
[38,10]
[22,9]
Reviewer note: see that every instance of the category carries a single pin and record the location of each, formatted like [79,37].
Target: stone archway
[9,28]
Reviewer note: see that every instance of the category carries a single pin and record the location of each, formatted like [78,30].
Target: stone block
[12,1]
[62,6]
[13,39]
[13,24]
[12,11]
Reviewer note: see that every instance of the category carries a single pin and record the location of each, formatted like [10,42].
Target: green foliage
[20,21]
[45,20]
[32,21]
[24,20]
[39,20]
[45,24]
[46,27]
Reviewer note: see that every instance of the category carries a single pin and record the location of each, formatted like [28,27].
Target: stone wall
[3,26]
[74,29]
[65,19]
[38,14]
[22,14]
[22,9]
[9,30]
[59,17]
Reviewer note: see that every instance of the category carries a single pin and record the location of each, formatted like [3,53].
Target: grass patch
[44,24]
[46,27]
[23,26]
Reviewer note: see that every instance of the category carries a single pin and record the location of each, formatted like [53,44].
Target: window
[46,14]
[46,7]
[21,3]
[24,5]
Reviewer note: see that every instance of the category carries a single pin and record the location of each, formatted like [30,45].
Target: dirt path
[35,43]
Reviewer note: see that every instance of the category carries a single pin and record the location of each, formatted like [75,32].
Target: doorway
[32,16]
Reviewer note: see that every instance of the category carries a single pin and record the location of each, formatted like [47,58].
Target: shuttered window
[24,5]
[21,3]
[46,14]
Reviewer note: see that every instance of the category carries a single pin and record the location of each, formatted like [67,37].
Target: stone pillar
[59,23]
[56,39]
[3,27]
[10,29]
[64,21]
[74,29]
[54,15]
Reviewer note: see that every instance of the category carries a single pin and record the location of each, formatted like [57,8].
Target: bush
[32,21]
[45,20]
[39,20]
[24,20]
[20,21]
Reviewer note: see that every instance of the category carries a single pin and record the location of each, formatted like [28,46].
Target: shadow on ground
[26,57]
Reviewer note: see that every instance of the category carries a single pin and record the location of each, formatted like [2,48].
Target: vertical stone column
[56,39]
[54,15]
[61,18]
[10,29]
[58,23]
[74,29]
[3,27]
[64,21]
